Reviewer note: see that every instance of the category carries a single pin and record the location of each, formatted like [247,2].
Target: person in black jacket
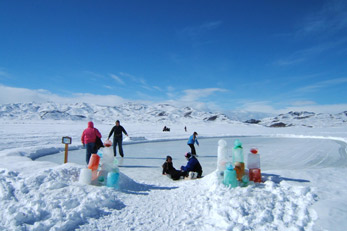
[168,168]
[117,132]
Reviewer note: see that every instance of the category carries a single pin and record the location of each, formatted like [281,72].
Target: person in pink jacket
[88,139]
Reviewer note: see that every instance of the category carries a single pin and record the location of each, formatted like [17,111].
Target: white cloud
[107,100]
[170,88]
[108,87]
[157,88]
[3,73]
[328,24]
[196,34]
[95,75]
[199,30]
[140,81]
[267,107]
[308,53]
[170,92]
[195,98]
[258,106]
[133,78]
[23,95]
[331,18]
[211,25]
[303,103]
[323,84]
[196,94]
[117,78]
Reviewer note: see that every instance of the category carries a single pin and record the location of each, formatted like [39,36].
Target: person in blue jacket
[193,139]
[193,165]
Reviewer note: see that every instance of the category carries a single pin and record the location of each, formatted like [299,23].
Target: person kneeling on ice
[193,165]
[169,169]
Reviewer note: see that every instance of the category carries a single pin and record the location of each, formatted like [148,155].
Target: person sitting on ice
[193,165]
[169,169]
[166,129]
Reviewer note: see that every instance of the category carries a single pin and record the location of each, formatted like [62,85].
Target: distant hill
[130,112]
[162,113]
[307,119]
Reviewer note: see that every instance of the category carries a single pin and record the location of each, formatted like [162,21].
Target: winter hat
[188,155]
[90,124]
[167,157]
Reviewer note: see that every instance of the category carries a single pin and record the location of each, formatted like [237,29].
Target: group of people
[91,134]
[193,164]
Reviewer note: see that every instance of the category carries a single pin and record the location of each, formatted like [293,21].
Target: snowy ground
[303,169]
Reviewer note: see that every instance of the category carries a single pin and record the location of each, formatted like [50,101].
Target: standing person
[88,139]
[193,139]
[117,132]
[193,165]
[185,128]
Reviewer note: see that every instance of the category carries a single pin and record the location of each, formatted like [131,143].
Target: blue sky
[265,56]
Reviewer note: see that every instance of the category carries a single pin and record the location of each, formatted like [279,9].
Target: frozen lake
[142,161]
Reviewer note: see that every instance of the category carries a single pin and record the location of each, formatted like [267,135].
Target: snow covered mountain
[307,119]
[165,113]
[130,112]
[241,115]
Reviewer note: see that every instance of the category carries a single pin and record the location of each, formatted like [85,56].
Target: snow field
[303,189]
[53,199]
[207,205]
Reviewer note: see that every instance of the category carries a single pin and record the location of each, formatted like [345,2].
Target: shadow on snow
[129,186]
[277,178]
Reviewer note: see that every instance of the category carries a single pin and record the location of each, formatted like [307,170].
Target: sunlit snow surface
[289,153]
[303,172]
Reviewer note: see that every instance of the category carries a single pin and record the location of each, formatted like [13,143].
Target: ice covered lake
[142,161]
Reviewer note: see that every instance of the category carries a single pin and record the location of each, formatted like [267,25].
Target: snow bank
[268,206]
[206,205]
[46,196]
[51,199]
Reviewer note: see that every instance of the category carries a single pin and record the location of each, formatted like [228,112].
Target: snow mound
[268,206]
[52,199]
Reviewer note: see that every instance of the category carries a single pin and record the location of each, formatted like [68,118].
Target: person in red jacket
[88,139]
